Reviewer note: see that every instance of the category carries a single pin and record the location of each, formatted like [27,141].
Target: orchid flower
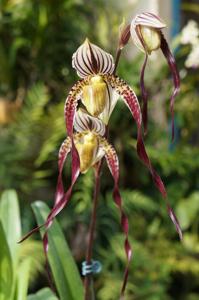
[146,32]
[90,147]
[96,68]
[94,64]
[97,95]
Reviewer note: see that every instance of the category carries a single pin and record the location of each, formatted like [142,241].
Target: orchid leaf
[45,293]
[64,270]
[10,218]
[6,268]
[23,273]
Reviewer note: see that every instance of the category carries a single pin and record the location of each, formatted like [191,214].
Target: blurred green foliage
[37,40]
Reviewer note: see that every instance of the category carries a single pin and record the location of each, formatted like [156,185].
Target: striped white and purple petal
[89,131]
[89,59]
[85,122]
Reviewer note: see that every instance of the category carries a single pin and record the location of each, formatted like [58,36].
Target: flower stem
[88,278]
[118,54]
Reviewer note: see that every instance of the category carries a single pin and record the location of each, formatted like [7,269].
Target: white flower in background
[190,33]
[193,58]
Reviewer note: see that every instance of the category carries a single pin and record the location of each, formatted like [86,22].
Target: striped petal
[85,122]
[71,104]
[113,164]
[131,101]
[149,20]
[89,59]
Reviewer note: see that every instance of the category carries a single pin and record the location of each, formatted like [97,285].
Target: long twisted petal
[176,78]
[61,199]
[64,200]
[131,101]
[113,164]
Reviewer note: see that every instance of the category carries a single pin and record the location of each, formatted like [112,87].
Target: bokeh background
[37,40]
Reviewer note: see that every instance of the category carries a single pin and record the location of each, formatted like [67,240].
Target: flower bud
[146,32]
[95,95]
[87,145]
[124,35]
[151,38]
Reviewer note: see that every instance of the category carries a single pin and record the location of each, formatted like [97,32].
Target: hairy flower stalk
[98,91]
[146,32]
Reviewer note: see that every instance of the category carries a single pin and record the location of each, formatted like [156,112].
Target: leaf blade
[65,273]
[45,293]
[6,268]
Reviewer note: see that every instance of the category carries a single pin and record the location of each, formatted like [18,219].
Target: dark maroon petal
[71,104]
[113,164]
[175,74]
[144,95]
[131,101]
[36,229]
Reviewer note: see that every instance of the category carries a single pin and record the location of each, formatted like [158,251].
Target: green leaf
[44,294]
[187,210]
[6,272]
[10,217]
[65,273]
[22,279]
